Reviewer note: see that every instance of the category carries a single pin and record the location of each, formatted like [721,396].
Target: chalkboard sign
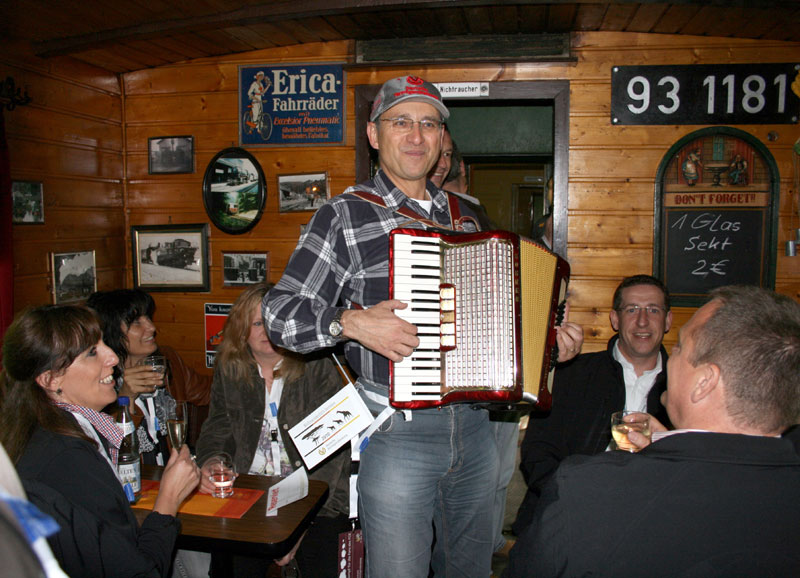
[716,214]
[708,248]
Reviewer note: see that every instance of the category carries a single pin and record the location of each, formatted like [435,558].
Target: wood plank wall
[70,139]
[611,169]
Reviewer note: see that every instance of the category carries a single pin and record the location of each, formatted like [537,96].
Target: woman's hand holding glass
[143,378]
[180,478]
[218,474]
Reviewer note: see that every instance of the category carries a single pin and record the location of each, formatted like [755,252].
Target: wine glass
[177,424]
[158,363]
[623,422]
[222,474]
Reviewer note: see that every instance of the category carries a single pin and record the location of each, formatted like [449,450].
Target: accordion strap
[456,220]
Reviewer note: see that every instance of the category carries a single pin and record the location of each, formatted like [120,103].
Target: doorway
[512,95]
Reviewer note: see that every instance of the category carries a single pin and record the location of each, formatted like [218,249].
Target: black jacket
[691,505]
[587,390]
[67,478]
[235,418]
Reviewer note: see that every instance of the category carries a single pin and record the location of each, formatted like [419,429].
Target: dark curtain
[6,237]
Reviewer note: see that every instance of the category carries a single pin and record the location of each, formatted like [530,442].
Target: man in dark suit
[630,374]
[720,495]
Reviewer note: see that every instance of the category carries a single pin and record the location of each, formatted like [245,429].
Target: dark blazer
[587,390]
[235,418]
[67,478]
[692,505]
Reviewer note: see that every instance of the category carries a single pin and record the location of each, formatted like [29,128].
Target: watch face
[335,328]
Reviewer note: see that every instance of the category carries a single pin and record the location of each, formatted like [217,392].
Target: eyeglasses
[648,309]
[403,125]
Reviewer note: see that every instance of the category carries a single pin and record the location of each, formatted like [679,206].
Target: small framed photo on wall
[244,268]
[170,257]
[27,203]
[170,154]
[302,192]
[74,276]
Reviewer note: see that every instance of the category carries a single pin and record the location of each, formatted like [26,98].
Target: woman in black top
[57,377]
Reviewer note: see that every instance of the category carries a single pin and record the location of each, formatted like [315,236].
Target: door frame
[553,90]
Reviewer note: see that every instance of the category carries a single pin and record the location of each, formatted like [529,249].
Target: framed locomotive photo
[74,276]
[170,257]
[234,191]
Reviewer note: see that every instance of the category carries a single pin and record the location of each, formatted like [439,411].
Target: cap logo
[415,86]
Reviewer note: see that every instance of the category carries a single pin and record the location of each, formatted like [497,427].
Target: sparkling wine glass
[177,424]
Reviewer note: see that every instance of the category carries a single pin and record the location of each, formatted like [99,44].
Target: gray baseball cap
[404,88]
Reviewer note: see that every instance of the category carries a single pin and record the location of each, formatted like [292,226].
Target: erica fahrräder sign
[291,105]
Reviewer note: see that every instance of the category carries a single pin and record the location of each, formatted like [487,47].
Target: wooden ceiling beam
[281,10]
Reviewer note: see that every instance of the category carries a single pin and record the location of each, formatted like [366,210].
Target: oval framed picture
[234,191]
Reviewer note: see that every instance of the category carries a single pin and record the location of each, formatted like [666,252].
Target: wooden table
[254,534]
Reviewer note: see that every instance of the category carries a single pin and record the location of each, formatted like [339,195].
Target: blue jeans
[506,436]
[429,481]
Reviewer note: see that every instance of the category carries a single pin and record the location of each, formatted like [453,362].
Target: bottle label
[131,473]
[126,427]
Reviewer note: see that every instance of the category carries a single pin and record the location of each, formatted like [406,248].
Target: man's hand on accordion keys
[569,338]
[379,329]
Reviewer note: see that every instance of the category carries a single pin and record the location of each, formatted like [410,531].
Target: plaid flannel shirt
[342,259]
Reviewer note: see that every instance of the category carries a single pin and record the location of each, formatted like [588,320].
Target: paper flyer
[330,426]
[290,489]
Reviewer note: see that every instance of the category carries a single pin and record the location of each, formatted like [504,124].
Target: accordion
[486,305]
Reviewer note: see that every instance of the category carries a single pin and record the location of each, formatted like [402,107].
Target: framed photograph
[170,154]
[234,191]
[74,276]
[170,257]
[302,192]
[244,268]
[27,203]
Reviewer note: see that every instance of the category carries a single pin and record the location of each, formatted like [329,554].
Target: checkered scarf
[102,422]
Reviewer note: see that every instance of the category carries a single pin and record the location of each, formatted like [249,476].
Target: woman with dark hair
[127,319]
[251,377]
[57,377]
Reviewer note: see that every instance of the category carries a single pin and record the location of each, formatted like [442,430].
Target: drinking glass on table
[158,363]
[222,474]
[623,422]
[177,424]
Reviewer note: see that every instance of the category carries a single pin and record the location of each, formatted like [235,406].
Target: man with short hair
[630,374]
[435,469]
[720,495]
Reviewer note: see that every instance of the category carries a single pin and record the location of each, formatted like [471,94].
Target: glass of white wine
[177,423]
[623,422]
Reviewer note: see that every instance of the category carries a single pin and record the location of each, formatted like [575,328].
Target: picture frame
[170,155]
[74,276]
[170,257]
[303,191]
[240,268]
[234,191]
[27,202]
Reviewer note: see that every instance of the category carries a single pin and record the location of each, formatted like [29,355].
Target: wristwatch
[336,328]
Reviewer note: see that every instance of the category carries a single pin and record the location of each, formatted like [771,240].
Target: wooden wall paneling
[611,194]
[58,159]
[604,229]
